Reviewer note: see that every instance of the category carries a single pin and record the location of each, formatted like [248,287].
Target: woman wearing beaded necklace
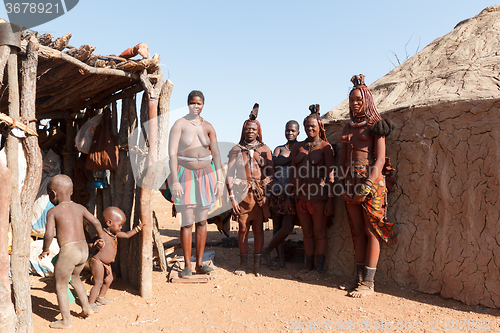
[196,178]
[250,170]
[361,164]
[311,177]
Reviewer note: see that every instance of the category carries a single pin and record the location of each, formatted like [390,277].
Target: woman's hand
[356,200]
[219,190]
[236,207]
[177,191]
[262,201]
[289,204]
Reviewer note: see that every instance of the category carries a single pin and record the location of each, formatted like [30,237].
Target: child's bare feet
[87,311]
[103,301]
[61,324]
[96,308]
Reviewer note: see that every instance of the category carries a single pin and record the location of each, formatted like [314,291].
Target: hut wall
[445,204]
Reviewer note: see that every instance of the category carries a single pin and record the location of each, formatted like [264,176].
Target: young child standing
[100,263]
[67,218]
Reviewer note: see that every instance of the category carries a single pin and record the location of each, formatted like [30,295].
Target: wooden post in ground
[125,185]
[69,154]
[7,313]
[32,149]
[19,257]
[152,93]
[163,114]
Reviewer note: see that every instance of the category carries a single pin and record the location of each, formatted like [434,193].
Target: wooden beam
[19,259]
[125,184]
[163,113]
[49,53]
[33,161]
[8,315]
[73,102]
[16,123]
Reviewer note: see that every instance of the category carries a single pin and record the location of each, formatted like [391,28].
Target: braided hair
[368,104]
[314,108]
[378,126]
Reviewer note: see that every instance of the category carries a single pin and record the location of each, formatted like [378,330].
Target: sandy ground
[276,302]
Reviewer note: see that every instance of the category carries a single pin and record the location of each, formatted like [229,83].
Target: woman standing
[361,163]
[312,178]
[283,216]
[250,169]
[196,178]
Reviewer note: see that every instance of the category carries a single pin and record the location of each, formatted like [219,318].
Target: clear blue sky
[284,55]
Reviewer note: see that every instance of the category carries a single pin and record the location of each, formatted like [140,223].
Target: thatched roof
[70,79]
[463,65]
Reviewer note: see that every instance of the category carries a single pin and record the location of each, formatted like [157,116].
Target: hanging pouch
[103,154]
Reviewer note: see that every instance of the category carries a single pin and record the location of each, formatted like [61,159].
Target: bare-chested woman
[283,215]
[312,177]
[196,178]
[361,163]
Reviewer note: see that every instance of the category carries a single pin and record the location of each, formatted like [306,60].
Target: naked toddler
[67,219]
[100,263]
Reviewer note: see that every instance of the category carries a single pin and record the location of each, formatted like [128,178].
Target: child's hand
[99,243]
[43,254]
[141,224]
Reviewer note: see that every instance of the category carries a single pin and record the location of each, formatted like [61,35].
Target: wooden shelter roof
[70,79]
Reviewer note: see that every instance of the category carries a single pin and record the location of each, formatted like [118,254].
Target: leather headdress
[358,80]
[255,112]
[314,108]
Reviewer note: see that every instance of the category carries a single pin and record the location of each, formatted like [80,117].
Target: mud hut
[46,78]
[445,103]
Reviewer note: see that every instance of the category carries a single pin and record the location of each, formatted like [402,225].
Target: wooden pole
[19,258]
[163,113]
[70,152]
[7,313]
[125,185]
[33,173]
[33,158]
[152,93]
